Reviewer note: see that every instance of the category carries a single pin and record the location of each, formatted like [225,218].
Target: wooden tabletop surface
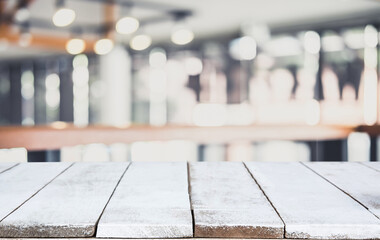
[190,200]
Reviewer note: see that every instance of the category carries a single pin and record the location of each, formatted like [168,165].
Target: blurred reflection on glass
[81,90]
[27,93]
[306,83]
[254,75]
[358,145]
[240,152]
[157,97]
[281,82]
[330,85]
[164,151]
[341,76]
[52,96]
[286,151]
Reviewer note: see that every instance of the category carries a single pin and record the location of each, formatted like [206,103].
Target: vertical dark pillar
[66,109]
[316,151]
[334,150]
[344,148]
[374,139]
[53,155]
[44,156]
[201,152]
[373,149]
[16,101]
[327,151]
[318,90]
[39,92]
[5,95]
[36,156]
[194,84]
[244,81]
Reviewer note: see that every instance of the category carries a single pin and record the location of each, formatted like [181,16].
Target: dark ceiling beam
[165,13]
[335,23]
[155,6]
[94,29]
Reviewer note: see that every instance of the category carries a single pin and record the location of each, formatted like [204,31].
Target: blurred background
[266,66]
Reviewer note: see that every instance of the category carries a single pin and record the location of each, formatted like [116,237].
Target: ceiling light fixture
[75,46]
[182,36]
[140,42]
[103,46]
[127,25]
[244,48]
[181,33]
[63,16]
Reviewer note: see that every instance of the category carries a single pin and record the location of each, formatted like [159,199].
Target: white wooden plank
[6,166]
[69,206]
[228,203]
[357,180]
[20,183]
[310,206]
[97,238]
[374,165]
[151,201]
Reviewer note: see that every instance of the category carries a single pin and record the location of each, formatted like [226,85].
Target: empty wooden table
[190,200]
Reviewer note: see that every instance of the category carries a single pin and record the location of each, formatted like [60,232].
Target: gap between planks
[228,203]
[189,192]
[147,213]
[109,199]
[36,191]
[9,168]
[369,166]
[345,192]
[266,196]
[313,194]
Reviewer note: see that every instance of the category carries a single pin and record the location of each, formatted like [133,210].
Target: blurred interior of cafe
[161,80]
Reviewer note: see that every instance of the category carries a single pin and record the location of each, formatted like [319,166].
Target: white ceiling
[214,17]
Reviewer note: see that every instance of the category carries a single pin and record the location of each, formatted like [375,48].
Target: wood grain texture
[228,203]
[151,201]
[373,165]
[310,206]
[69,206]
[357,180]
[18,184]
[6,166]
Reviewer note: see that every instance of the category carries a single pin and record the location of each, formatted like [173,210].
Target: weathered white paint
[18,184]
[6,166]
[310,206]
[228,203]
[359,181]
[151,201]
[69,206]
[374,165]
